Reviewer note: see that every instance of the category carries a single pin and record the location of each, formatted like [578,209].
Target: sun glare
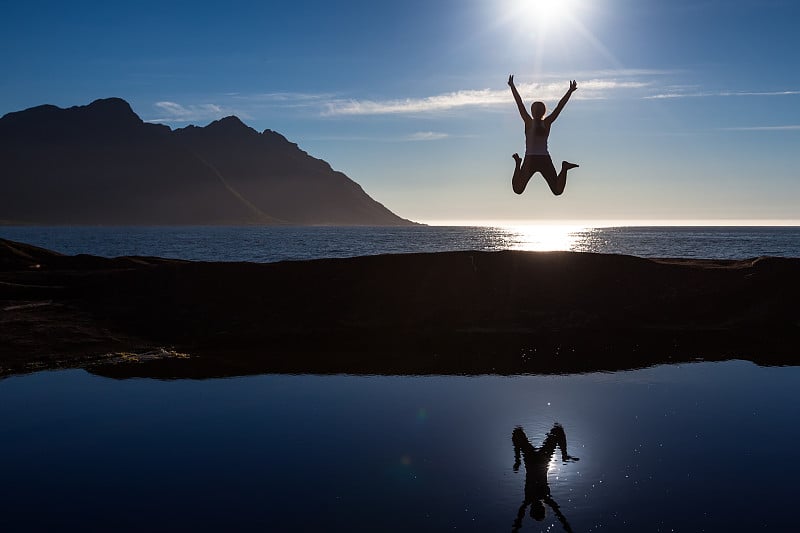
[551,11]
[545,238]
[549,29]
[545,13]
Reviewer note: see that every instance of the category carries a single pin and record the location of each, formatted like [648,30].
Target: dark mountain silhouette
[101,164]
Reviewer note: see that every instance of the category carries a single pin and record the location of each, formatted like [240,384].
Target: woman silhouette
[537,158]
[537,462]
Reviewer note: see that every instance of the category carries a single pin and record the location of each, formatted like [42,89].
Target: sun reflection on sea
[546,238]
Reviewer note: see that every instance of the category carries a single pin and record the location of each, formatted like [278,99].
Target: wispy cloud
[478,98]
[620,73]
[592,85]
[419,136]
[426,136]
[790,127]
[602,85]
[705,94]
[284,99]
[175,112]
[442,102]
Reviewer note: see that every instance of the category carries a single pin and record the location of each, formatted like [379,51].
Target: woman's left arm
[573,86]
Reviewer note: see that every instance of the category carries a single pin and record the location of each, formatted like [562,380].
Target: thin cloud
[172,112]
[624,73]
[706,94]
[427,136]
[283,100]
[442,102]
[283,97]
[595,89]
[604,84]
[790,127]
[412,137]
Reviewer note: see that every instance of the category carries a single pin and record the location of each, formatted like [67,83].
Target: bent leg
[557,182]
[522,173]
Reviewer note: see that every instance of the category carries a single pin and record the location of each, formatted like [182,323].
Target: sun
[542,32]
[544,13]
[550,11]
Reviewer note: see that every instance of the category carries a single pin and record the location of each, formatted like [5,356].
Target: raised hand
[573,86]
[511,80]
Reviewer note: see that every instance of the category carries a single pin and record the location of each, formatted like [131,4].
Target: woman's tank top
[536,141]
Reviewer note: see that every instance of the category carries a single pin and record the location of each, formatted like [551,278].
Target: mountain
[101,164]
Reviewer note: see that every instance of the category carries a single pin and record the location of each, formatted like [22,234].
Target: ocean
[270,244]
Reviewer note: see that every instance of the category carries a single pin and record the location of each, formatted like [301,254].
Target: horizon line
[618,223]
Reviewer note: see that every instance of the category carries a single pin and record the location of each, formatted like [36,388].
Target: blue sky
[685,110]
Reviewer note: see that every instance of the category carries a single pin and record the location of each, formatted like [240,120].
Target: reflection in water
[546,238]
[537,461]
[707,447]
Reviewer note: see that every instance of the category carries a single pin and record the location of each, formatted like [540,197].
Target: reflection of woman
[537,156]
[537,460]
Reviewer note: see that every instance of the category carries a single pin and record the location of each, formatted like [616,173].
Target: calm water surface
[698,447]
[266,244]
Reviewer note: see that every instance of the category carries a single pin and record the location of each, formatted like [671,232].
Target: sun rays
[546,29]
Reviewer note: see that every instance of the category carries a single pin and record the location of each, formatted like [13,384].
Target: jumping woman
[537,158]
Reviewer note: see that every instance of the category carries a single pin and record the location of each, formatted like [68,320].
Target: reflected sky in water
[692,447]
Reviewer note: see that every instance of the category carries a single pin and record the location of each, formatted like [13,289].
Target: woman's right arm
[521,106]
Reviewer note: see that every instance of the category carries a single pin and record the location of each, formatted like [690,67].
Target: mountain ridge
[102,164]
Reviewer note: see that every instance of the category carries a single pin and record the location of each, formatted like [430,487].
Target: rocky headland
[101,164]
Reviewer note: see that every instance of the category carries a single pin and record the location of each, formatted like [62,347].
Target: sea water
[691,447]
[268,244]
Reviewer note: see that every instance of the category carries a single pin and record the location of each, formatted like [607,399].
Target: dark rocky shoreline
[442,313]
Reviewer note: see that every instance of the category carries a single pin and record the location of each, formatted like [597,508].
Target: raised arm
[557,510]
[522,111]
[573,86]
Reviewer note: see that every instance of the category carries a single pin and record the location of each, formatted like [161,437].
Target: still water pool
[695,447]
